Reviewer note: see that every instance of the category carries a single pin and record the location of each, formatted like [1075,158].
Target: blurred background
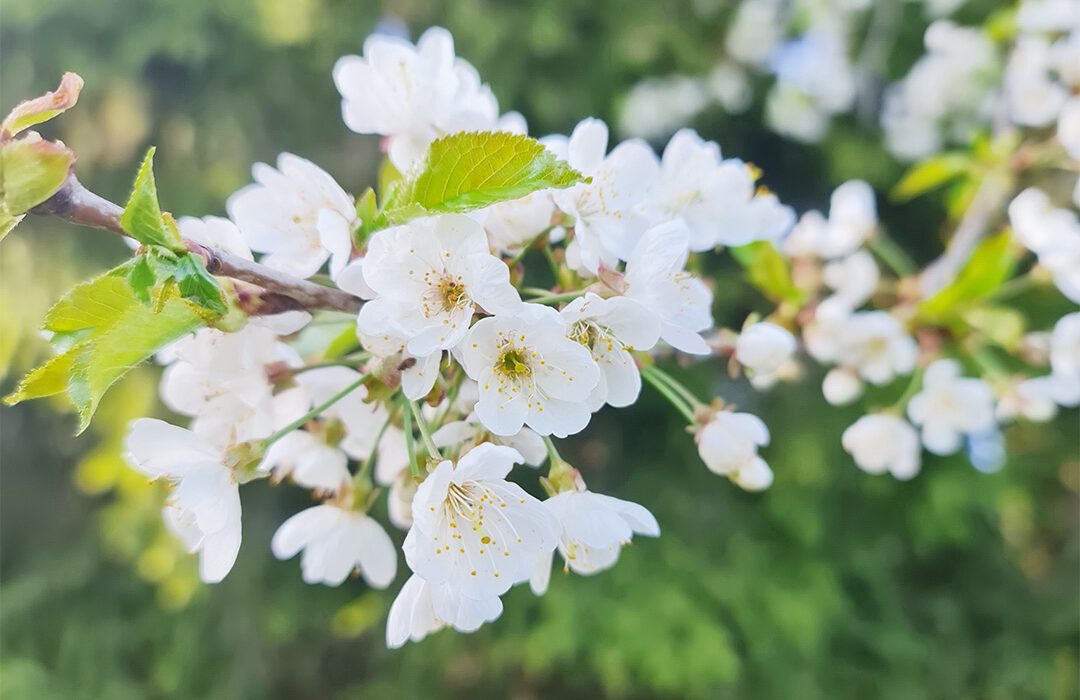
[832,584]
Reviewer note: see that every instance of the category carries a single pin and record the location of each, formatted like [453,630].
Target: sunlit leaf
[142,218]
[930,174]
[467,171]
[991,263]
[32,170]
[768,271]
[41,109]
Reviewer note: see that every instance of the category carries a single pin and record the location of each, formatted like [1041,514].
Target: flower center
[444,294]
[512,364]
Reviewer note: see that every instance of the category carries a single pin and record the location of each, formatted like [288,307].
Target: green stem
[429,444]
[676,385]
[548,298]
[910,390]
[315,411]
[552,263]
[406,425]
[1014,287]
[347,361]
[894,257]
[668,393]
[364,474]
[525,248]
[553,454]
[989,363]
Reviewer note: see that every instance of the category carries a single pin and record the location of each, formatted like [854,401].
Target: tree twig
[78,205]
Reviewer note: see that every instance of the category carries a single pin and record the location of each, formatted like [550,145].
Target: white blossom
[529,372]
[297,214]
[309,460]
[215,232]
[418,374]
[1033,97]
[854,278]
[728,445]
[610,329]
[594,529]
[657,106]
[474,530]
[336,541]
[656,277]
[204,504]
[1065,360]
[605,224]
[815,80]
[361,420]
[764,347]
[510,225]
[851,223]
[951,406]
[715,198]
[430,275]
[421,609]
[470,432]
[412,94]
[882,443]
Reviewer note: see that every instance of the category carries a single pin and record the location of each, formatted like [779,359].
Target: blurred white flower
[951,406]
[728,445]
[882,443]
[203,508]
[337,541]
[764,347]
[854,278]
[412,94]
[296,214]
[529,372]
[657,106]
[852,222]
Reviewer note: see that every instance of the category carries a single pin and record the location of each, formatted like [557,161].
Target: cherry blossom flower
[594,529]
[605,224]
[1065,360]
[656,277]
[950,406]
[336,541]
[882,443]
[728,445]
[296,214]
[470,432]
[529,372]
[422,608]
[360,420]
[510,225]
[852,222]
[204,504]
[309,460]
[418,374]
[610,328]
[764,347]
[430,275]
[715,198]
[474,530]
[412,94]
[215,232]
[854,278]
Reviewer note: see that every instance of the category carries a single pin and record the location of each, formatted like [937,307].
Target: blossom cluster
[455,371]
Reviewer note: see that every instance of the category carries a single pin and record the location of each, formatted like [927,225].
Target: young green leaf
[991,263]
[101,330]
[471,170]
[929,174]
[41,109]
[192,280]
[32,170]
[768,270]
[142,218]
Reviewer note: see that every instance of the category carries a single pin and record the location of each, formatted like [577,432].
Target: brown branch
[78,205]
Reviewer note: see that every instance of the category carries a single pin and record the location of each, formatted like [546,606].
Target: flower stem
[315,411]
[675,384]
[910,390]
[553,454]
[528,245]
[549,298]
[364,475]
[668,393]
[894,257]
[406,425]
[421,424]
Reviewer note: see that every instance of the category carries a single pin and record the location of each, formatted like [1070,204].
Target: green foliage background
[833,584]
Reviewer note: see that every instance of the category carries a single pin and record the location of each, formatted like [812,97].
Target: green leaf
[471,170]
[41,109]
[31,171]
[1002,325]
[141,278]
[930,174]
[7,221]
[192,280]
[142,218]
[102,329]
[991,263]
[768,271]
